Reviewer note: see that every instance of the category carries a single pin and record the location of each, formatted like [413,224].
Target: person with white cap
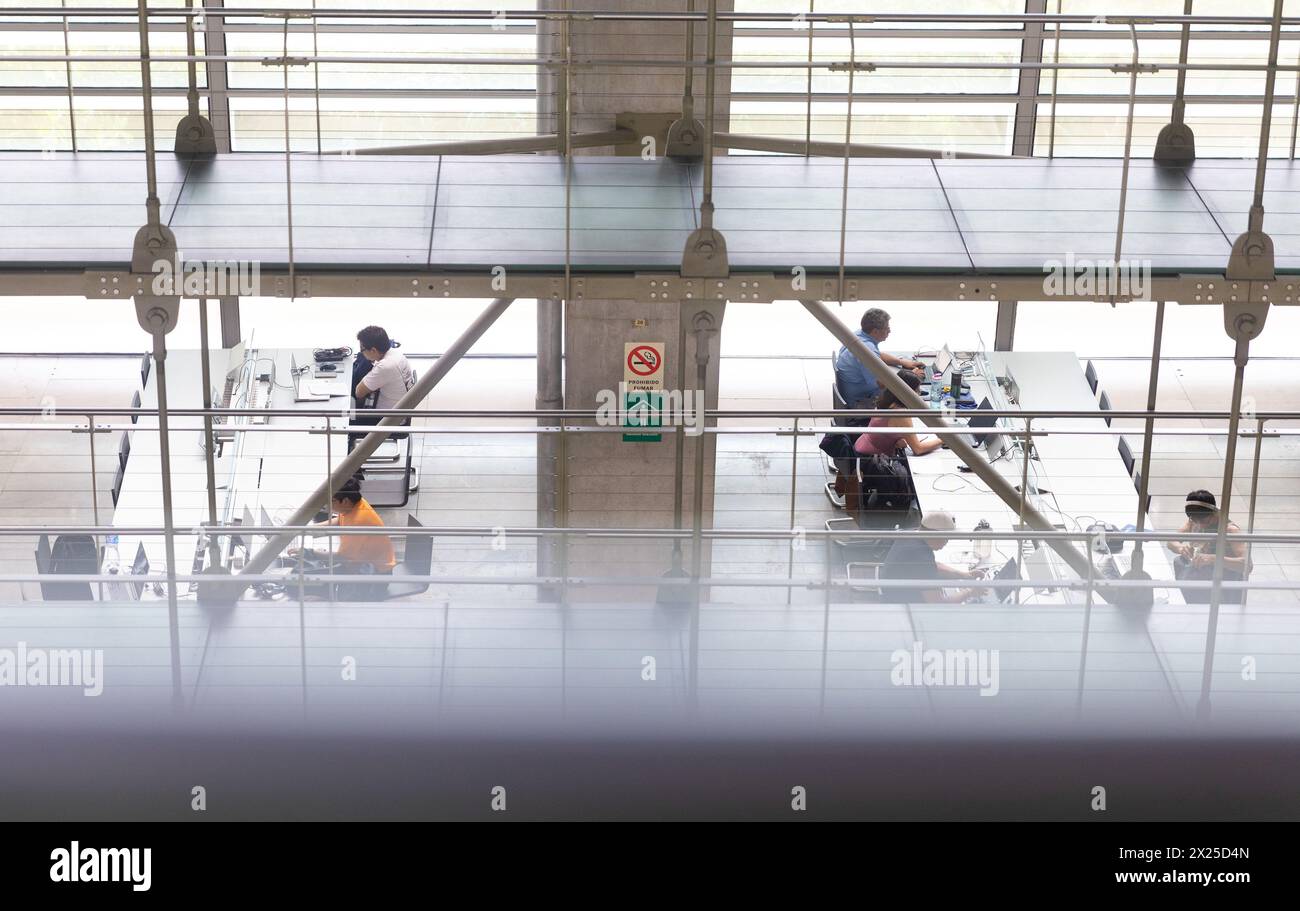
[912,559]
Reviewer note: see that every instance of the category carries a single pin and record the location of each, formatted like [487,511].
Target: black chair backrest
[44,557]
[70,555]
[1105,406]
[1091,373]
[1126,453]
[419,550]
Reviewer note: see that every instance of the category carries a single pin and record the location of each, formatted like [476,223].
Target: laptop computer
[980,421]
[1009,572]
[139,568]
[304,390]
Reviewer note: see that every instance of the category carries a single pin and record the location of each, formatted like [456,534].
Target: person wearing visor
[912,559]
[1195,560]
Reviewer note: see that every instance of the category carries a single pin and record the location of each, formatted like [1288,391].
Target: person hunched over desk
[380,377]
[359,554]
[888,444]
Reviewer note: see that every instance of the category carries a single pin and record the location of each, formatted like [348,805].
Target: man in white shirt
[388,379]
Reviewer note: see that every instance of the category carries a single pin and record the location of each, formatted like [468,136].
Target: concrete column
[646,99]
[1004,337]
[612,483]
[617,484]
[231,333]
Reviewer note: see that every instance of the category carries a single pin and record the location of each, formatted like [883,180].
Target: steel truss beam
[738,287]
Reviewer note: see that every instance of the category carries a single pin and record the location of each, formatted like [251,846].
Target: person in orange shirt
[354,553]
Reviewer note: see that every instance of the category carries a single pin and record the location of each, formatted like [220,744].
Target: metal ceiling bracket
[195,136]
[1176,144]
[1252,253]
[154,242]
[1244,321]
[685,140]
[705,255]
[156,314]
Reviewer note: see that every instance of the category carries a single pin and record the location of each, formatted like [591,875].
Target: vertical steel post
[209,457]
[67,68]
[1148,435]
[1083,649]
[1240,358]
[794,486]
[169,529]
[807,126]
[94,489]
[1254,493]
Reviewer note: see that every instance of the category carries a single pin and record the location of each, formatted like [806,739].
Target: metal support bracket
[195,136]
[685,140]
[154,242]
[1244,320]
[1175,144]
[706,254]
[1252,253]
[157,315]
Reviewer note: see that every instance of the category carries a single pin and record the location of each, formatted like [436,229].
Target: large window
[373,99]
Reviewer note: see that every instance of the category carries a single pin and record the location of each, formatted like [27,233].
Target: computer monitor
[981,417]
[140,568]
[235,361]
[1010,572]
[44,555]
[944,361]
[1011,386]
[246,519]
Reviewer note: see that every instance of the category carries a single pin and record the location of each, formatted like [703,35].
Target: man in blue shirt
[856,383]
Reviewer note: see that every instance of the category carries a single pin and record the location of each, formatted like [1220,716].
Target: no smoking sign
[643,365]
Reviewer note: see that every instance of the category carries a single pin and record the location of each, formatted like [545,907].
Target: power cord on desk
[331,354]
[967,481]
[275,372]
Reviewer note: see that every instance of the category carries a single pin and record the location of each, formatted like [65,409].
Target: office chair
[417,560]
[1090,372]
[1126,453]
[1105,406]
[408,473]
[70,555]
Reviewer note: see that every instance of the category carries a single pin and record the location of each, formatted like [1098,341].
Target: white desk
[274,470]
[1084,473]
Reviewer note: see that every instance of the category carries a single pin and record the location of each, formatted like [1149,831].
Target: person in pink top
[888,444]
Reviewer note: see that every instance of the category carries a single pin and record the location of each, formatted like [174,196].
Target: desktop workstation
[1076,474]
[260,477]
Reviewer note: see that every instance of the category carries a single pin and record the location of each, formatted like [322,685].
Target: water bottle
[983,546]
[112,558]
[936,390]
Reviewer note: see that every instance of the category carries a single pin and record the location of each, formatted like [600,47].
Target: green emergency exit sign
[643,409]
